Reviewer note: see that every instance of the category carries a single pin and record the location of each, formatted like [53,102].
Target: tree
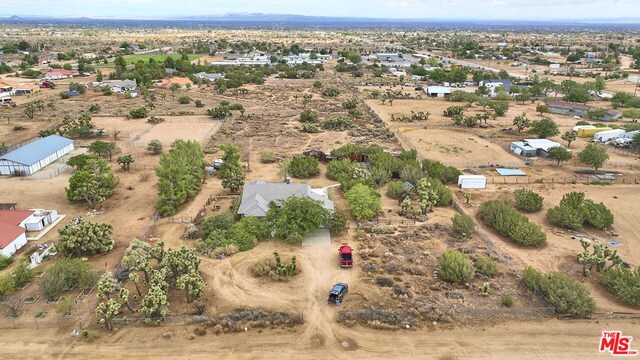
[635,142]
[304,167]
[455,266]
[565,294]
[542,108]
[231,170]
[569,137]
[63,275]
[102,148]
[125,161]
[192,284]
[500,107]
[338,222]
[180,176]
[106,311]
[559,154]
[139,113]
[155,147]
[93,183]
[544,128]
[79,161]
[363,201]
[427,195]
[597,113]
[99,76]
[30,110]
[294,218]
[521,122]
[594,155]
[84,238]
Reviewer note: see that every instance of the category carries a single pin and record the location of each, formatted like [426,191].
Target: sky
[405,9]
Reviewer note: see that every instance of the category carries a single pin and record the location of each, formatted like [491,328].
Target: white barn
[32,157]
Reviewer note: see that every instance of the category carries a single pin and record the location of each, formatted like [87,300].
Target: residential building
[257,195]
[533,147]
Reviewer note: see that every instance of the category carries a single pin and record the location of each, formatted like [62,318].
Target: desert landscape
[189,190]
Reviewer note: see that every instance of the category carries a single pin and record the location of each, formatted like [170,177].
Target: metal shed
[472,181]
[32,157]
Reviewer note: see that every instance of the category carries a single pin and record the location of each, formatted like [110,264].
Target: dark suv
[337,293]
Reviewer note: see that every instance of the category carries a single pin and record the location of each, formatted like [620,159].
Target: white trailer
[472,182]
[604,136]
[578,127]
[630,134]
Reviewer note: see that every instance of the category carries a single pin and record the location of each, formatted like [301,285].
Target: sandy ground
[548,339]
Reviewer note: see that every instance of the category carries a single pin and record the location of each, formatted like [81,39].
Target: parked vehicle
[6,102]
[217,164]
[346,256]
[337,293]
[46,85]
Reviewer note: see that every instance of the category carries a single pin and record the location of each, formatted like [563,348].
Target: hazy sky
[423,9]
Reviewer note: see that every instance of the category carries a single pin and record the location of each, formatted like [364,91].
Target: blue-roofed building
[30,158]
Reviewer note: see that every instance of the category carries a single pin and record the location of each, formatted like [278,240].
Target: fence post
[36,320]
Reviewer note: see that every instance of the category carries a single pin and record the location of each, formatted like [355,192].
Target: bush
[155,147]
[455,266]
[565,217]
[155,120]
[222,221]
[185,100]
[597,215]
[338,222]
[463,225]
[443,193]
[336,122]
[624,284]
[65,95]
[506,300]
[436,169]
[63,275]
[338,169]
[262,267]
[567,295]
[5,261]
[309,116]
[138,113]
[486,266]
[304,167]
[501,216]
[253,226]
[22,275]
[396,189]
[363,201]
[331,92]
[528,200]
[310,128]
[268,157]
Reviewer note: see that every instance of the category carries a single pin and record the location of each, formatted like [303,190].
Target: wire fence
[48,174]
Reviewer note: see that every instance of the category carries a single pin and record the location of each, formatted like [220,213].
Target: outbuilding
[533,147]
[12,230]
[437,91]
[28,159]
[472,182]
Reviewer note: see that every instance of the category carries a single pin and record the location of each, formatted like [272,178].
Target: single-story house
[533,147]
[210,77]
[437,91]
[12,230]
[493,84]
[610,115]
[32,157]
[567,108]
[117,86]
[257,195]
[182,81]
[57,74]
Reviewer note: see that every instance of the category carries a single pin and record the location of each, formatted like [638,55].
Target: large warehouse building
[32,157]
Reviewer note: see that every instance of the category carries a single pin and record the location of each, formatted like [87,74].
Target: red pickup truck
[346,256]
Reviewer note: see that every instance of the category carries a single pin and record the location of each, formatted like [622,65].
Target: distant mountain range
[302,19]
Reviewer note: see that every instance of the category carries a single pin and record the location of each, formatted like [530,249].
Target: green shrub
[444,194]
[506,300]
[304,167]
[309,116]
[65,274]
[185,100]
[486,266]
[253,226]
[310,128]
[500,215]
[336,122]
[597,215]
[436,169]
[268,157]
[573,199]
[565,217]
[363,201]
[463,225]
[528,200]
[222,221]
[7,284]
[624,284]
[396,189]
[338,222]
[262,267]
[338,169]
[65,95]
[331,92]
[455,266]
[565,294]
[138,113]
[5,261]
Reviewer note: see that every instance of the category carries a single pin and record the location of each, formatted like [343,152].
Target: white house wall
[10,167]
[14,246]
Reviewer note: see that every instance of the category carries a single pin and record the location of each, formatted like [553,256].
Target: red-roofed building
[12,230]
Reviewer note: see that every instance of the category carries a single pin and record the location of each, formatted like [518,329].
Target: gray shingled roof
[257,195]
